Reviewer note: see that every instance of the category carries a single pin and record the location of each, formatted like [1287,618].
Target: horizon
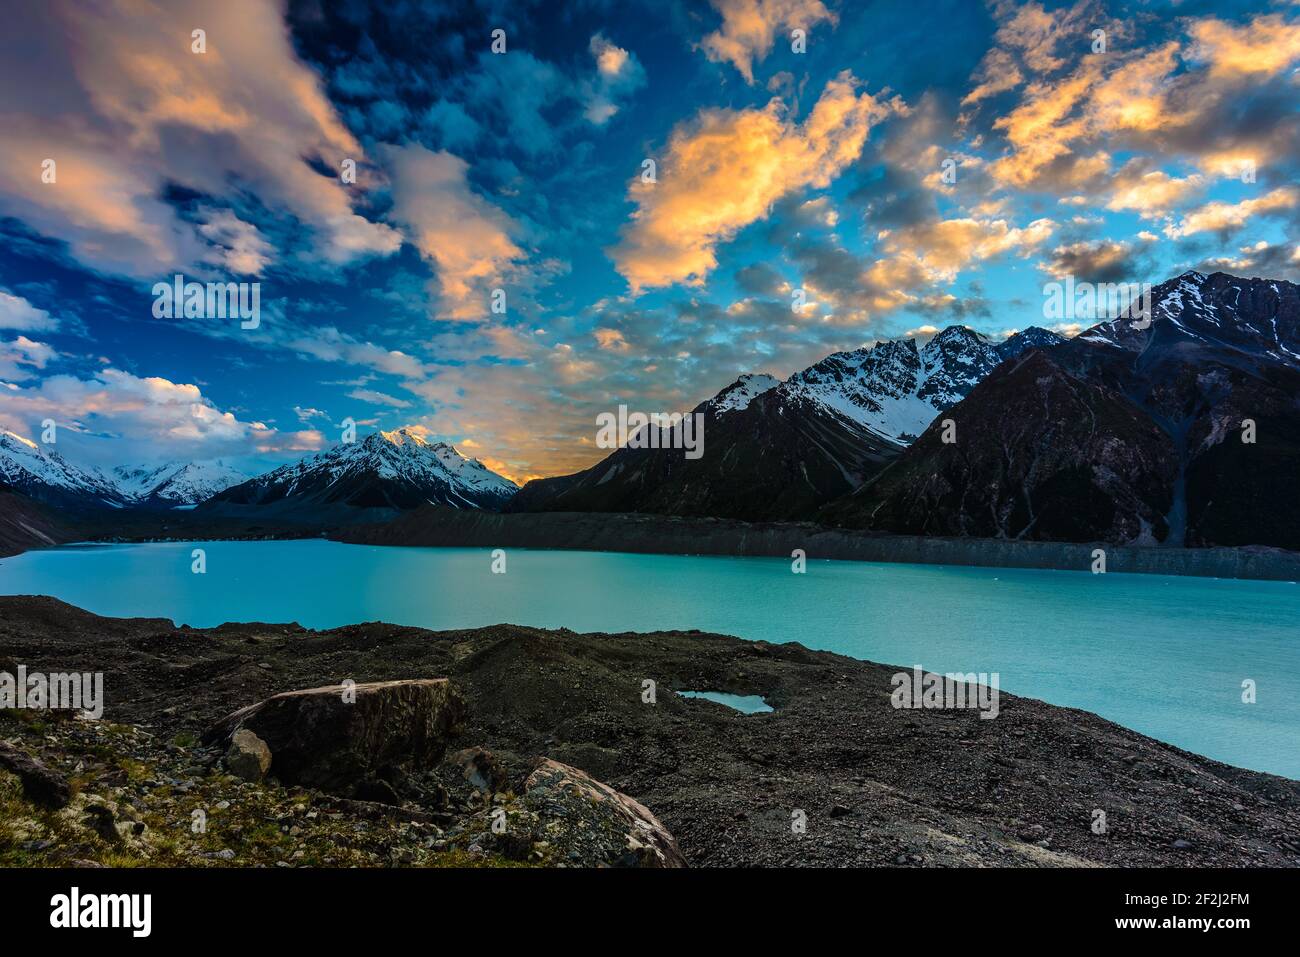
[491,247]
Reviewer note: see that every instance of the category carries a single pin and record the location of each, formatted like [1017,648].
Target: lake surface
[1164,656]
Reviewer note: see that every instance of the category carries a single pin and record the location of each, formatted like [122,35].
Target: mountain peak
[7,436]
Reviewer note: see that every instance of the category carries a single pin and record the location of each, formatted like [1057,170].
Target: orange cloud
[463,235]
[1229,216]
[725,169]
[749,29]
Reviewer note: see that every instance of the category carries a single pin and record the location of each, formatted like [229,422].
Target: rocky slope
[1133,432]
[381,475]
[876,785]
[26,524]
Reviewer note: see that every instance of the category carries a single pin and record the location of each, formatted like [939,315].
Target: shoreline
[640,533]
[655,534]
[879,786]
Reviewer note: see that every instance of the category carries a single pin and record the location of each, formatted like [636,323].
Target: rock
[481,769]
[318,739]
[40,784]
[248,757]
[605,827]
[377,790]
[100,820]
[1181,845]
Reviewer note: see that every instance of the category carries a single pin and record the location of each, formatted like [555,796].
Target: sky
[621,203]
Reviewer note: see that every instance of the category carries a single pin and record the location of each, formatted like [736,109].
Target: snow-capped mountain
[743,391]
[1251,316]
[176,484]
[1177,428]
[894,388]
[385,471]
[778,450]
[1034,337]
[44,475]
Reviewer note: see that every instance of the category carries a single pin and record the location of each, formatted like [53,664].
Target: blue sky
[1167,141]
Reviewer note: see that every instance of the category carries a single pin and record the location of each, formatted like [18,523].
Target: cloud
[23,359]
[17,313]
[467,239]
[1213,97]
[120,417]
[1263,47]
[1151,193]
[749,28]
[618,75]
[127,110]
[1105,260]
[611,339]
[379,398]
[1227,217]
[724,169]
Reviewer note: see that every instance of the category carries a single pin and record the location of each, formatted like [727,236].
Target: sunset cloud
[465,237]
[1226,217]
[750,27]
[724,170]
[244,116]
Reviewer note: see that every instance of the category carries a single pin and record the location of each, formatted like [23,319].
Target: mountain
[26,524]
[175,485]
[1131,432]
[1032,338]
[42,474]
[768,453]
[895,389]
[384,473]
[779,450]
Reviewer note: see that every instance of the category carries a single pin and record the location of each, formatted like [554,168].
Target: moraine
[1164,656]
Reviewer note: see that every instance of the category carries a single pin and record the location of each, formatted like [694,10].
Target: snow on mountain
[743,391]
[895,389]
[1034,337]
[136,482]
[177,484]
[385,470]
[45,475]
[1256,317]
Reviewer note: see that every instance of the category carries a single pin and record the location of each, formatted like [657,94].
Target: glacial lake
[1165,656]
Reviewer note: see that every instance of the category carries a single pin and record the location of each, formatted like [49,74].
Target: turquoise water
[1165,656]
[746,703]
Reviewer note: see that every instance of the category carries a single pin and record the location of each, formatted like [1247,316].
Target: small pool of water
[746,703]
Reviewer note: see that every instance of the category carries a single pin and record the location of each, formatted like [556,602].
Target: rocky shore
[549,748]
[661,534]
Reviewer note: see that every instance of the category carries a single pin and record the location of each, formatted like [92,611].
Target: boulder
[40,784]
[481,769]
[595,825]
[335,738]
[248,756]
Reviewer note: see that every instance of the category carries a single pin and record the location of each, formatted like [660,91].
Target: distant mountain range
[1184,430]
[386,472]
[44,475]
[780,450]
